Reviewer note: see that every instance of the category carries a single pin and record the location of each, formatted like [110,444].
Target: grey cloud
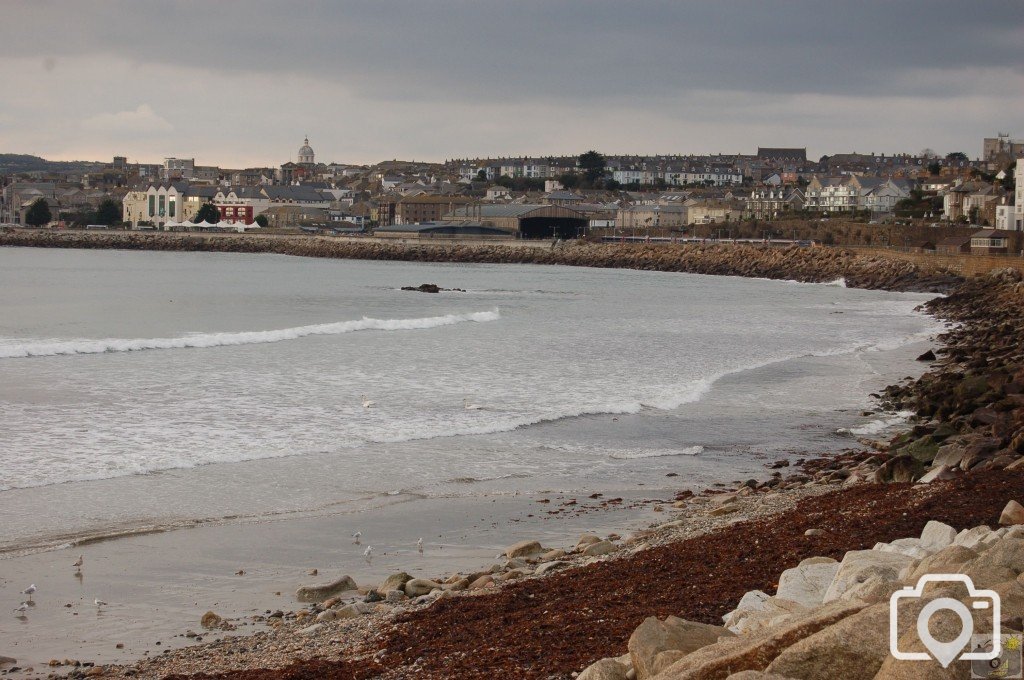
[543,50]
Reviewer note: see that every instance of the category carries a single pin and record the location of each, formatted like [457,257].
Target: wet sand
[158,585]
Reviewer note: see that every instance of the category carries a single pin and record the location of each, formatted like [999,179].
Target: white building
[1018,196]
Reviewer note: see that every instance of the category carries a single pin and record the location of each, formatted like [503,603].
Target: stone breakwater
[970,404]
[810,265]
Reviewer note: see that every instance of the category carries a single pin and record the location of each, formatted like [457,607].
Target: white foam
[200,340]
[882,424]
[632,454]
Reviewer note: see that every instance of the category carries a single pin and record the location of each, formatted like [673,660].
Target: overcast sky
[240,83]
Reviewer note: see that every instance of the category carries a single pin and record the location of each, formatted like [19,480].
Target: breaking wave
[631,454]
[201,340]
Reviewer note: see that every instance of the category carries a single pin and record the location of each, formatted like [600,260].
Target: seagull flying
[28,591]
[356,536]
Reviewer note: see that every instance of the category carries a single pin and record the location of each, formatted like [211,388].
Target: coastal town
[756,196]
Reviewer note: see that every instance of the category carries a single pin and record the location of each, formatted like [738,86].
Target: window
[162,200]
[152,205]
[170,207]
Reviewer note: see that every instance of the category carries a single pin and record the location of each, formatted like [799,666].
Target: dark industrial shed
[526,220]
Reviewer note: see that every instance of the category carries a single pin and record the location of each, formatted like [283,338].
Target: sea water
[142,389]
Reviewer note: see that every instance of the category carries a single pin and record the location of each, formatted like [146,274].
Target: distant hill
[12,163]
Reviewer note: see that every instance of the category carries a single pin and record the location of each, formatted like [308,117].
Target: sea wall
[820,264]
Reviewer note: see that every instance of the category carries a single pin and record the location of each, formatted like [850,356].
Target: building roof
[506,209]
[781,153]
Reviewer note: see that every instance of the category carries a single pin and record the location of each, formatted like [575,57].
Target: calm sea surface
[156,388]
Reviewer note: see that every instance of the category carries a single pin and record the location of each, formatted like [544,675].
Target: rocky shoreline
[810,265]
[551,613]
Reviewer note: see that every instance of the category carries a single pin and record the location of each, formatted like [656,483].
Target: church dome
[306,152]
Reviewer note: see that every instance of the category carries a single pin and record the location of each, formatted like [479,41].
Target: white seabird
[367,403]
[28,591]
[356,536]
[419,545]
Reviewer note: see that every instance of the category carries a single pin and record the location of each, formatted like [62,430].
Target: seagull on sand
[99,603]
[356,536]
[419,545]
[20,610]
[28,591]
[367,403]
[78,565]
[368,553]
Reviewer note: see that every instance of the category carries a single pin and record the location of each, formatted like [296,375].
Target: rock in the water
[1013,513]
[599,548]
[605,669]
[420,586]
[927,356]
[424,288]
[523,548]
[652,637]
[394,582]
[210,620]
[316,593]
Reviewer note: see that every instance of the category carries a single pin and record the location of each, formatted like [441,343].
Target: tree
[934,167]
[108,212]
[593,164]
[207,212]
[569,180]
[481,175]
[928,153]
[956,156]
[38,213]
[262,221]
